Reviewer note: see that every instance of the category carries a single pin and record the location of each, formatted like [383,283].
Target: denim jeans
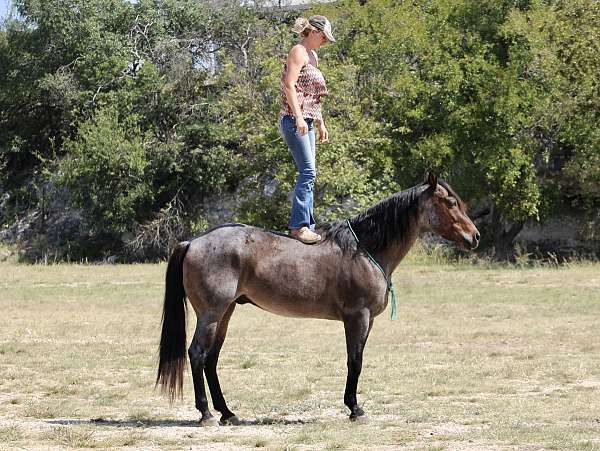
[303,150]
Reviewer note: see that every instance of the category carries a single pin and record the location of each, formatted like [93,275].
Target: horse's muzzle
[471,241]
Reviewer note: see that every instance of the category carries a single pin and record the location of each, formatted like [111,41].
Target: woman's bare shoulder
[298,54]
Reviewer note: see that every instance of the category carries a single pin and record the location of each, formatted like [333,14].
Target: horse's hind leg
[204,338]
[210,369]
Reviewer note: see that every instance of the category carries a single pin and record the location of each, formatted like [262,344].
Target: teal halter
[390,284]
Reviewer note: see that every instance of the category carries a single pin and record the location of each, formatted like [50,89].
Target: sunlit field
[481,357]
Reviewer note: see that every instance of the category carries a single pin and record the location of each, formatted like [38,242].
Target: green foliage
[557,55]
[434,76]
[106,172]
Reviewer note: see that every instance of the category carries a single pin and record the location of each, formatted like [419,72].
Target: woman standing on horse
[302,86]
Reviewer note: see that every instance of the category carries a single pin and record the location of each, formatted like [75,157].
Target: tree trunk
[504,233]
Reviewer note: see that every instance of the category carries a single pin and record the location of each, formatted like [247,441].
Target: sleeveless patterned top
[310,87]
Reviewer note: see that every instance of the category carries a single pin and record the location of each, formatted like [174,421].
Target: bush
[106,173]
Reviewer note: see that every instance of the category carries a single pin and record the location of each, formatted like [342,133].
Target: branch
[480,213]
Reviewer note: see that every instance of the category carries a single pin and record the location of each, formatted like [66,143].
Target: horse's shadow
[151,423]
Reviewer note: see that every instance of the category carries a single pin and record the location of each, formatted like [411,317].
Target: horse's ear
[431,179]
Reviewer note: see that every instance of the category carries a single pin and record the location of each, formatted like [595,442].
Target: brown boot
[305,235]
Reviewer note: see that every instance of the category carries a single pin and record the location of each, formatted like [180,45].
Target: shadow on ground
[141,422]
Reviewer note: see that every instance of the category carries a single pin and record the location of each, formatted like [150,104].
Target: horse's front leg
[357,327]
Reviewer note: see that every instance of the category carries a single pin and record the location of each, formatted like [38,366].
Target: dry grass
[480,358]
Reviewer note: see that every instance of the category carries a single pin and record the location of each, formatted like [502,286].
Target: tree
[448,81]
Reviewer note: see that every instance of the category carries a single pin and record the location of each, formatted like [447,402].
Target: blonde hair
[302,26]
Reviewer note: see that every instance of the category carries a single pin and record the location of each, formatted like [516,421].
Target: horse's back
[236,239]
[243,240]
[230,252]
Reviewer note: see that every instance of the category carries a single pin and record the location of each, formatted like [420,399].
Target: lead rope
[390,284]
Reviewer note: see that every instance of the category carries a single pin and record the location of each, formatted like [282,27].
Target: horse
[340,278]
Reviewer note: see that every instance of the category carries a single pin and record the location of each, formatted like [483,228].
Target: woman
[302,86]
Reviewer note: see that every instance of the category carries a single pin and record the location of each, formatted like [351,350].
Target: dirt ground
[479,359]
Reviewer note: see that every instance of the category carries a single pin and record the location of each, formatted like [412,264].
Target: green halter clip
[390,284]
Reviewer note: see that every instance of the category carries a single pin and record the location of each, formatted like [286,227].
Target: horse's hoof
[231,421]
[211,421]
[358,415]
[362,419]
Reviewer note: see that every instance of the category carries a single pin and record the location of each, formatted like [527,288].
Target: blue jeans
[303,150]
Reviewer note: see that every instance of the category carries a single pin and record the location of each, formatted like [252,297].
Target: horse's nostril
[477,237]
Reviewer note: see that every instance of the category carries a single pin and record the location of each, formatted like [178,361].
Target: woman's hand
[323,133]
[301,126]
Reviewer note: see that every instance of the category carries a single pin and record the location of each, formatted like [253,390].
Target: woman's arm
[323,133]
[296,60]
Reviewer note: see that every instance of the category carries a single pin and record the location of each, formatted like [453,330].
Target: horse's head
[444,213]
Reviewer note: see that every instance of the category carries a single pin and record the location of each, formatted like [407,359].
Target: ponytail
[302,26]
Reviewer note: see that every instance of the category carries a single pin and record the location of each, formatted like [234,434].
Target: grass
[71,437]
[11,433]
[483,356]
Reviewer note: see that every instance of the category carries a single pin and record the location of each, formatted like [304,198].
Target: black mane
[384,223]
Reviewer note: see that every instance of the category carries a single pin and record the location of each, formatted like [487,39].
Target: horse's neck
[390,257]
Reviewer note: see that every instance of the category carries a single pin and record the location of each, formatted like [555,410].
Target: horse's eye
[452,203]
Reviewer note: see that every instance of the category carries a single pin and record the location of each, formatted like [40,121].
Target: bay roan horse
[334,279]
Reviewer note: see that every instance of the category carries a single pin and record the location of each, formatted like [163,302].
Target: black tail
[172,340]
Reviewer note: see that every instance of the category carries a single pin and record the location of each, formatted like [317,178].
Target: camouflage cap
[321,23]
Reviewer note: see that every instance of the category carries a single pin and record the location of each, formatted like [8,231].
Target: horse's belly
[286,277]
[287,294]
[295,310]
